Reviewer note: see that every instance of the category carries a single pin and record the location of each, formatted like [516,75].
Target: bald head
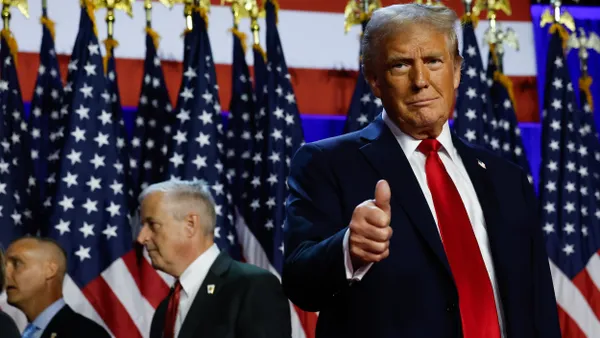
[44,250]
[35,270]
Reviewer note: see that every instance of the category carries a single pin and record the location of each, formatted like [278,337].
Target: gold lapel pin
[210,289]
[481,164]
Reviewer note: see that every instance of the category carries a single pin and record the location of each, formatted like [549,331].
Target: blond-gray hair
[390,20]
[186,196]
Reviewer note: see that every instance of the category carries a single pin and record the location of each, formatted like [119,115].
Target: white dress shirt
[460,177]
[191,279]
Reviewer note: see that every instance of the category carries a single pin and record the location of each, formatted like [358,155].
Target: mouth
[421,102]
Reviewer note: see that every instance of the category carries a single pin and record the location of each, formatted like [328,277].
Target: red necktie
[172,309]
[476,297]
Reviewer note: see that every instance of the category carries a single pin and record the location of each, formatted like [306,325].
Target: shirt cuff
[350,273]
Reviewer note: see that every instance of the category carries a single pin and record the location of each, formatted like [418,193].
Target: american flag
[472,119]
[241,123]
[46,121]
[18,188]
[278,135]
[569,200]
[197,150]
[364,106]
[152,123]
[89,217]
[506,134]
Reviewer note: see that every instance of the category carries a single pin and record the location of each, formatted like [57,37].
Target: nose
[419,75]
[142,236]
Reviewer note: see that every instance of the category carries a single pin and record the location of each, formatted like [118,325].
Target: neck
[34,307]
[197,250]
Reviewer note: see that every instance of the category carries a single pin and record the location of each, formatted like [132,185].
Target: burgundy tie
[172,309]
[476,297]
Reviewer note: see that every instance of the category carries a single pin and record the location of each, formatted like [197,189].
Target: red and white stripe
[323,60]
[578,300]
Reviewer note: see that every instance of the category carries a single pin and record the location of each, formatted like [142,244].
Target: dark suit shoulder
[68,323]
[249,272]
[493,161]
[8,327]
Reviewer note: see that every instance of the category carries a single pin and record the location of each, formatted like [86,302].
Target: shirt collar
[44,318]
[409,144]
[192,278]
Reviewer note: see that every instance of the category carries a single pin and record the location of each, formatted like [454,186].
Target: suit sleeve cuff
[352,275]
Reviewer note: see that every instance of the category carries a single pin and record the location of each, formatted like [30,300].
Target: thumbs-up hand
[370,230]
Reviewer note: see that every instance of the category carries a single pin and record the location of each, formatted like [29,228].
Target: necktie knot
[29,331]
[429,145]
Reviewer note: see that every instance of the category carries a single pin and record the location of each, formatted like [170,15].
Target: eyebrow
[405,58]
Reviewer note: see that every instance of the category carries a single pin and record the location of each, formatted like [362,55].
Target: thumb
[383,194]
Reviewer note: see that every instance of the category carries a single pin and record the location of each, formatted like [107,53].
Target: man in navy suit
[402,229]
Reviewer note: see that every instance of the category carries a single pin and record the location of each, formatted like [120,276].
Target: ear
[373,82]
[50,269]
[457,72]
[192,225]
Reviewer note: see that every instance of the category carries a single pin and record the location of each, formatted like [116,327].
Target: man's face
[26,271]
[415,76]
[161,233]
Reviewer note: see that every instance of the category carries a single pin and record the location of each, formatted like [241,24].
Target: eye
[435,61]
[399,65]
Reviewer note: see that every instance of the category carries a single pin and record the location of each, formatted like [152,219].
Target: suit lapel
[206,301]
[482,182]
[386,156]
[57,322]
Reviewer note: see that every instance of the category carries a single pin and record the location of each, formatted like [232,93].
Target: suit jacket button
[451,307]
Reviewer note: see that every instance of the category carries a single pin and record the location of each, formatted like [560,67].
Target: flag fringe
[242,36]
[562,31]
[154,35]
[262,52]
[110,44]
[585,83]
[49,24]
[11,42]
[507,83]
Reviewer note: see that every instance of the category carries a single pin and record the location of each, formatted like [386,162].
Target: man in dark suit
[35,270]
[7,324]
[466,257]
[213,295]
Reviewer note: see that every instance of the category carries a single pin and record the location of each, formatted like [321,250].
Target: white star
[470,135]
[206,117]
[556,104]
[289,119]
[570,207]
[101,139]
[555,124]
[70,179]
[200,161]
[570,186]
[79,134]
[471,114]
[86,90]
[113,209]
[63,226]
[87,229]
[272,179]
[207,96]
[472,93]
[471,51]
[569,228]
[190,73]
[180,137]
[66,203]
[17,218]
[94,183]
[90,69]
[90,206]
[74,156]
[549,228]
[549,207]
[203,139]
[183,116]
[117,187]
[471,72]
[83,112]
[187,94]
[110,231]
[554,145]
[3,188]
[98,161]
[558,62]
[176,159]
[569,248]
[94,49]
[290,98]
[277,134]
[551,186]
[557,83]
[105,118]
[83,253]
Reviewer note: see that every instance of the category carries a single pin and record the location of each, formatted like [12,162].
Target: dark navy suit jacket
[411,293]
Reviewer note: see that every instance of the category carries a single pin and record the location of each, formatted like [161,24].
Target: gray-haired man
[213,296]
